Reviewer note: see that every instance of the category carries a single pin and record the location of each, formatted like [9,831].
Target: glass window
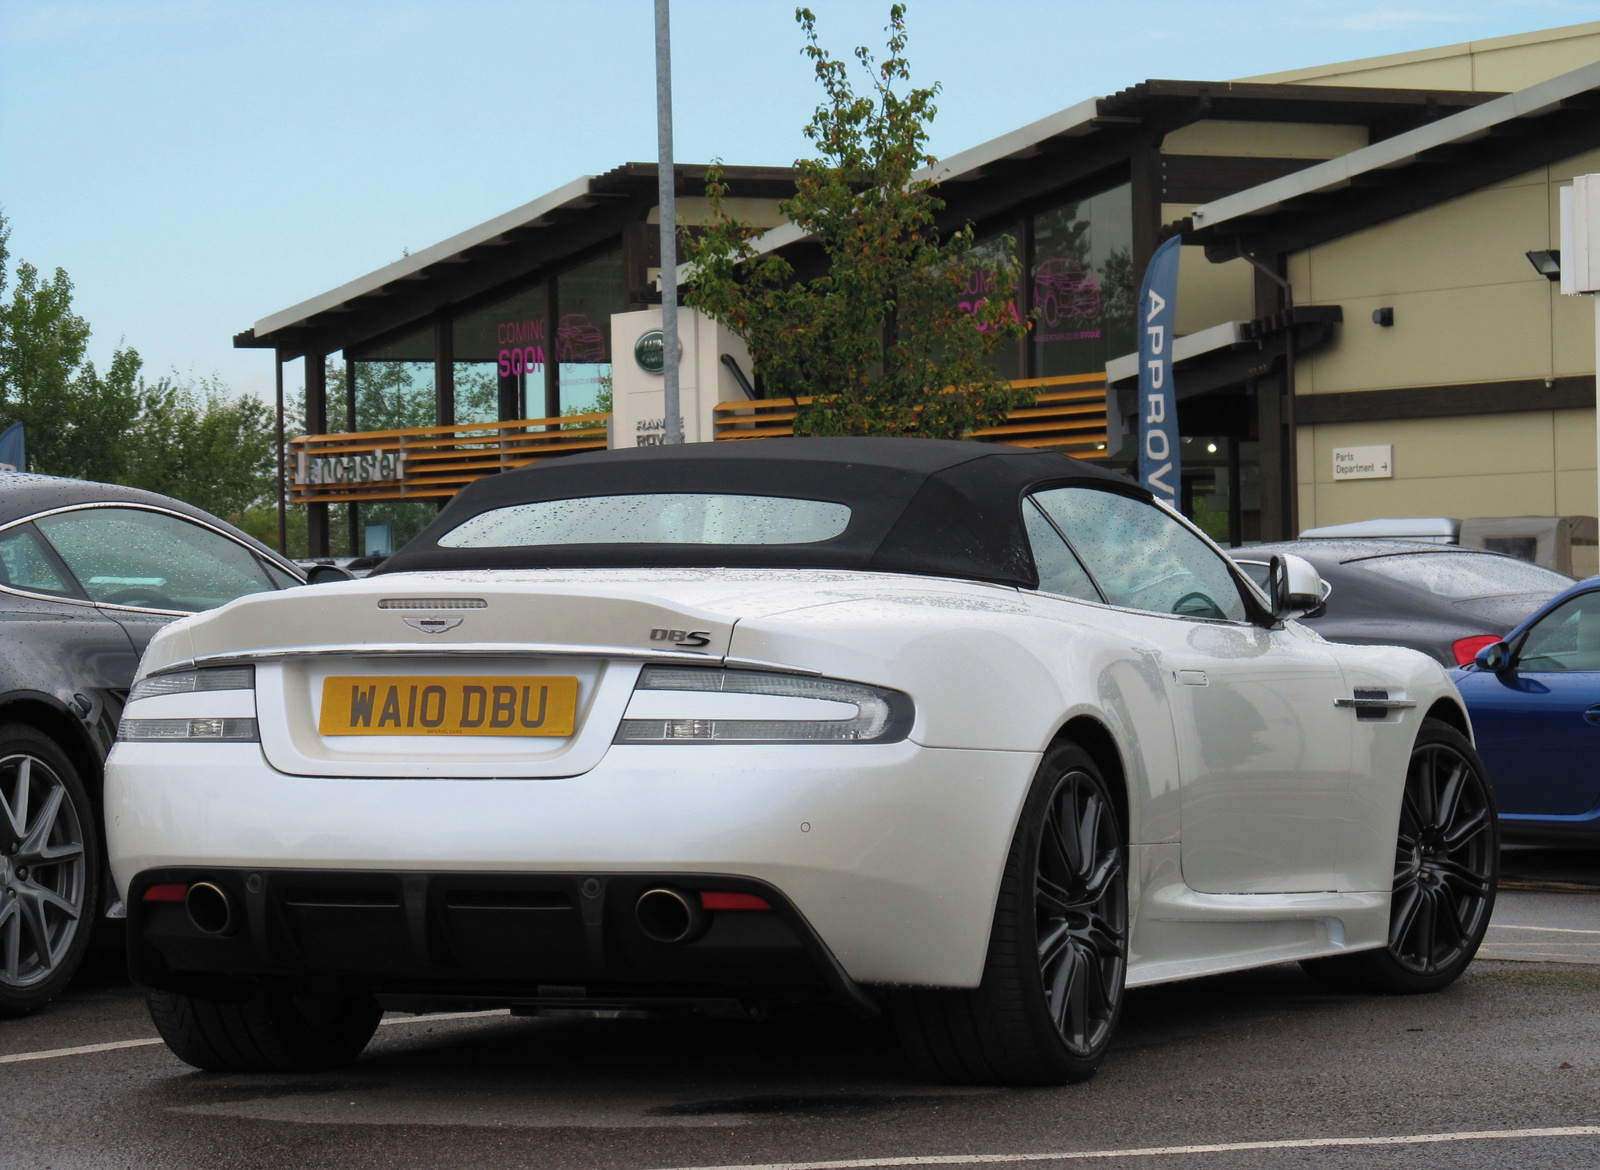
[1059,570]
[127,556]
[500,354]
[1566,638]
[985,259]
[280,578]
[395,391]
[1142,557]
[395,385]
[585,299]
[1460,575]
[1083,283]
[24,564]
[656,518]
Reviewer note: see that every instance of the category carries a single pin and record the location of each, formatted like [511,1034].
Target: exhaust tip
[210,908]
[666,915]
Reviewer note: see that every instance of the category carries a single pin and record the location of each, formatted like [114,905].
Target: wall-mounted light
[1211,448]
[1384,317]
[1547,264]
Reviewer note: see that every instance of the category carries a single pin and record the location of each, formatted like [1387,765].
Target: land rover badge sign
[649,352]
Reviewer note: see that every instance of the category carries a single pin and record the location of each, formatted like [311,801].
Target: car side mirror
[323,574]
[1295,587]
[1494,657]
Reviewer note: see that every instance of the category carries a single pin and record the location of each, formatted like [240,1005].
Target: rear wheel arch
[66,730]
[1450,713]
[1095,738]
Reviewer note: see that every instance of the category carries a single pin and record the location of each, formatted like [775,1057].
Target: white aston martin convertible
[975,735]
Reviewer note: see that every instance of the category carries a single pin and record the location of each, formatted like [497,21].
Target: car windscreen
[653,518]
[1461,575]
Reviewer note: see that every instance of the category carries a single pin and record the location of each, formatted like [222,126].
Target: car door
[1538,724]
[143,567]
[1264,755]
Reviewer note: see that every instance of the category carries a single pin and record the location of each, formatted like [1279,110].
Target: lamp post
[1580,268]
[672,424]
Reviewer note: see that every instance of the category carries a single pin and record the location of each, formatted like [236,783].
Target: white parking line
[1420,1139]
[113,1045]
[80,1050]
[1547,929]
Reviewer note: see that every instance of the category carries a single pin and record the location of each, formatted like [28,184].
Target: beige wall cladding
[1571,333]
[1519,66]
[1536,463]
[1466,494]
[1478,239]
[1562,172]
[1575,494]
[1209,294]
[1500,64]
[1493,333]
[1574,440]
[1432,448]
[695,211]
[1265,139]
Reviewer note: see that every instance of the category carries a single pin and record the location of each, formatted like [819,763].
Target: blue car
[1534,699]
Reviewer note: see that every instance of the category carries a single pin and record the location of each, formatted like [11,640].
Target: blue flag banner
[12,456]
[1159,466]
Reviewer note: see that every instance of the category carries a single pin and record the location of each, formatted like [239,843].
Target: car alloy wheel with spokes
[48,868]
[1053,981]
[1443,874]
[1079,913]
[1447,856]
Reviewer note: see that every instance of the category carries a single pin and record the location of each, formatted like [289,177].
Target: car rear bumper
[888,856]
[544,940]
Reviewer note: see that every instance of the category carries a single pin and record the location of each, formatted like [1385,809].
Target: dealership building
[1362,331]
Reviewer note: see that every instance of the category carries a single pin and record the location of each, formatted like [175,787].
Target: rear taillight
[1466,649]
[167,892]
[720,900]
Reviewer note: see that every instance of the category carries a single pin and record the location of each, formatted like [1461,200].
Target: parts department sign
[1363,462]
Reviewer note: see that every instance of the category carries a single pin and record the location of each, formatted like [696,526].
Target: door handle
[1593,714]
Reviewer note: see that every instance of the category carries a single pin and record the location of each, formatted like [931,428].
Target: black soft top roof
[931,507]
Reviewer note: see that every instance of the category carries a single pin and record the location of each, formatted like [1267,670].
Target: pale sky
[195,165]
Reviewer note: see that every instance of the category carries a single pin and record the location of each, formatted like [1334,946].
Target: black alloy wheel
[1080,913]
[1053,982]
[1446,868]
[49,870]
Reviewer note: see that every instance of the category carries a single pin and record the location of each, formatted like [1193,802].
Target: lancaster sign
[362,467]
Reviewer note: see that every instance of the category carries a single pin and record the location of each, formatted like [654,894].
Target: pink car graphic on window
[577,340]
[1064,291]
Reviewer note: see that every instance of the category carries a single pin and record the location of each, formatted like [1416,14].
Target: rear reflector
[1466,649]
[713,900]
[174,892]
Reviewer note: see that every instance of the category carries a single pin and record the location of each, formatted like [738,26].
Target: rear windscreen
[653,518]
[1459,575]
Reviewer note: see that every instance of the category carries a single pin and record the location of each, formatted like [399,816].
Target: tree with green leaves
[901,332]
[191,440]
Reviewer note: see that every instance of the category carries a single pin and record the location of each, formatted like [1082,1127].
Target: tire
[1447,864]
[49,870]
[269,1032]
[1039,1020]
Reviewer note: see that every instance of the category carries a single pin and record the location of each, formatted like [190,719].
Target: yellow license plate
[449,705]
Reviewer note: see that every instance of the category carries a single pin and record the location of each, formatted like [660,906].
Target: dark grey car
[1447,601]
[88,573]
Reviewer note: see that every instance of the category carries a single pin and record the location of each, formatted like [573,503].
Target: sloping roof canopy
[1097,136]
[1088,142]
[564,222]
[1507,136]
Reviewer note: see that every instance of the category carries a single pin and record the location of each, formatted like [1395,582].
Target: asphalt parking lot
[1260,1069]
